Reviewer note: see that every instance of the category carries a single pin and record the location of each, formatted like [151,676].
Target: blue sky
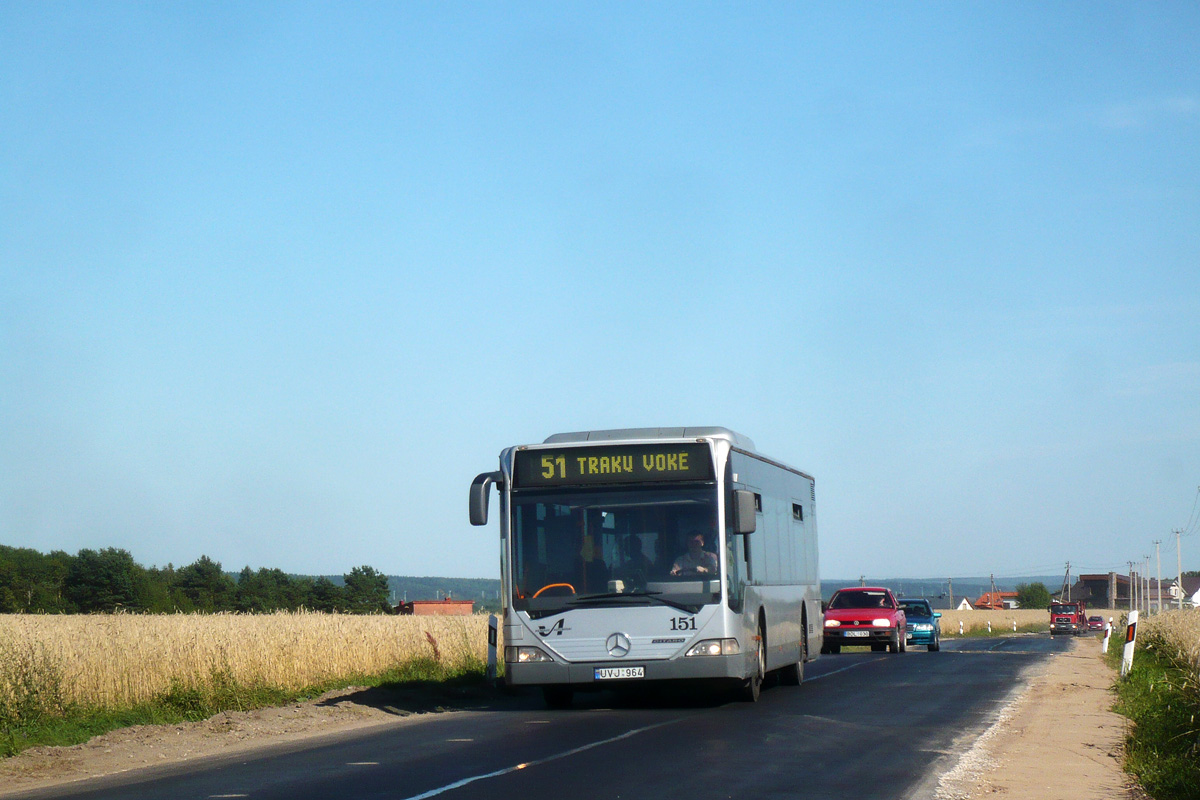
[277,280]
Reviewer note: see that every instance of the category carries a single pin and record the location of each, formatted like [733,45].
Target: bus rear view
[626,557]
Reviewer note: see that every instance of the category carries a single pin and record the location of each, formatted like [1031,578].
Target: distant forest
[110,580]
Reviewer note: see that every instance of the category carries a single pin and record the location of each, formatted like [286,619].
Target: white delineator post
[989,626]
[960,633]
[1130,638]
[1107,635]
[491,665]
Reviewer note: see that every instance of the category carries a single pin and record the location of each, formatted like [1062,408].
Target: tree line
[109,580]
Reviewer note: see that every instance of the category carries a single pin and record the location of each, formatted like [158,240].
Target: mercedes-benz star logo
[618,645]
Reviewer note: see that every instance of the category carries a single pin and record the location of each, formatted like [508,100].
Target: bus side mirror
[743,511]
[480,488]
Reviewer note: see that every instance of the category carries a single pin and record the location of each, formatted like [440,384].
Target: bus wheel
[752,687]
[557,696]
[793,674]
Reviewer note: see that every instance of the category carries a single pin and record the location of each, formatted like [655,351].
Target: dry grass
[1175,634]
[113,661]
[1001,620]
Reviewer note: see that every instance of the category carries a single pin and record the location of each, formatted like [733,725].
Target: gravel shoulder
[1056,738]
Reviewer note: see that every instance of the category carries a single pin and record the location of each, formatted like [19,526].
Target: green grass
[37,716]
[1162,749]
[997,630]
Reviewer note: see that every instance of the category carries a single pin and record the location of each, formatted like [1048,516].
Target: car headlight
[922,626]
[881,623]
[525,655]
[832,623]
[714,647]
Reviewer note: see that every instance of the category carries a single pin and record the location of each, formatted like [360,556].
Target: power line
[1193,522]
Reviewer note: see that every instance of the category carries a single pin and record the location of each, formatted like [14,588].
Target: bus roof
[635,434]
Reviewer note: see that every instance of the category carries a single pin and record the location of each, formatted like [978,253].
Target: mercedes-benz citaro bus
[653,554]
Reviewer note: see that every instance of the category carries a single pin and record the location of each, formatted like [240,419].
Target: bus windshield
[614,546]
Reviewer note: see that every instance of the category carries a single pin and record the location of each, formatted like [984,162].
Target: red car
[863,616]
[1095,623]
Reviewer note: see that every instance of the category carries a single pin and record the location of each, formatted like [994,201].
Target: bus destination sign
[626,463]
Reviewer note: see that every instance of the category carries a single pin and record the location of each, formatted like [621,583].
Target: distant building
[1191,591]
[996,601]
[964,605]
[443,608]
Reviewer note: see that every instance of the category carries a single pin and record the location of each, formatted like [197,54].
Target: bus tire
[793,674]
[752,686]
[557,696]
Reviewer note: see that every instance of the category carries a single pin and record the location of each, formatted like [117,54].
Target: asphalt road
[864,725]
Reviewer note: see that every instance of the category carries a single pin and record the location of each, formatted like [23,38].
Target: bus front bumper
[584,673]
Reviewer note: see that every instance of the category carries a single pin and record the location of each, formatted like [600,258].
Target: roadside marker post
[989,627]
[1014,626]
[1130,638]
[491,665]
[960,627]
[1107,635]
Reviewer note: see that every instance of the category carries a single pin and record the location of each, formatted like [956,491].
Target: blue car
[923,625]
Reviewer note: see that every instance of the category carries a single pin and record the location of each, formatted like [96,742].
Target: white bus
[655,554]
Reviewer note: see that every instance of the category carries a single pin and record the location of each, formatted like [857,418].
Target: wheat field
[1176,634]
[118,660]
[1001,620]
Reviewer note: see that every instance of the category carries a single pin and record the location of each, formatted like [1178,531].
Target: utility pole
[950,583]
[993,598]
[1179,568]
[862,580]
[1158,572]
[1066,590]
[1132,593]
[1146,591]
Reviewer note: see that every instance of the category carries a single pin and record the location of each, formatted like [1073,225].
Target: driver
[696,560]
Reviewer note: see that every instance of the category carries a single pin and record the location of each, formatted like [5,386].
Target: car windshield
[1063,609]
[609,547]
[860,599]
[916,609]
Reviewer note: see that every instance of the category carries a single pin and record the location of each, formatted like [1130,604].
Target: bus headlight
[832,623]
[881,623]
[524,655]
[714,647]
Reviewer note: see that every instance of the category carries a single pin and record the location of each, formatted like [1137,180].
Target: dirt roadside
[1056,739]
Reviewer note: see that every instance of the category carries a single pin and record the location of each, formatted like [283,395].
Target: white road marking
[843,669]
[537,762]
[362,763]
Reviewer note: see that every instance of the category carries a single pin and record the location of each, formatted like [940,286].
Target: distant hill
[936,589]
[407,587]
[486,591]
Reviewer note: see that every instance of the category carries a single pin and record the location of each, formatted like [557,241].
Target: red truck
[1068,617]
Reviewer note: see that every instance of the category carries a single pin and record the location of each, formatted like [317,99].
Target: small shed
[964,605]
[445,608]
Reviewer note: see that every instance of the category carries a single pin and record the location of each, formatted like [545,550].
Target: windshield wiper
[654,596]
